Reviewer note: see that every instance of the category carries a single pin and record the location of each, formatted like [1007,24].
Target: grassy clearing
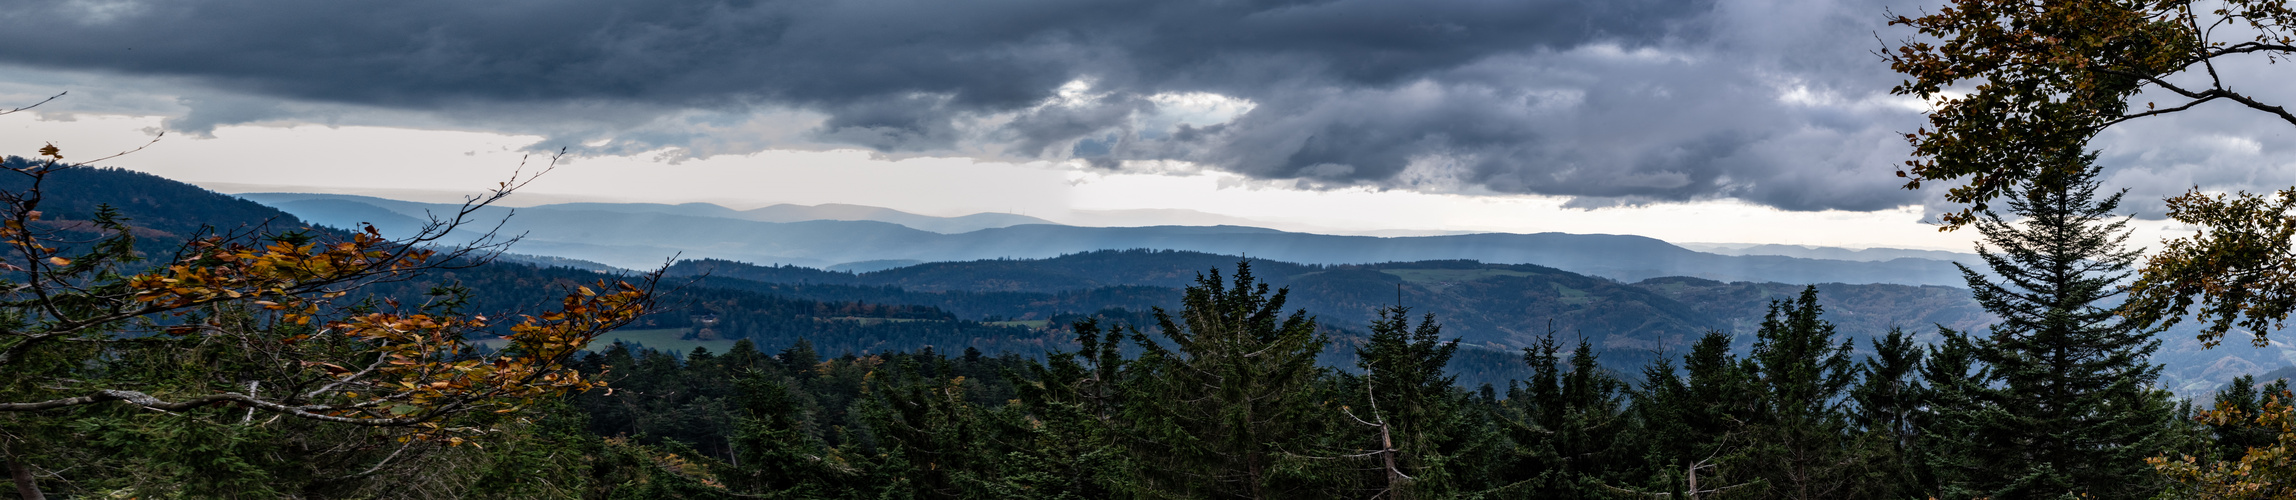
[868,321]
[1450,275]
[662,339]
[1032,323]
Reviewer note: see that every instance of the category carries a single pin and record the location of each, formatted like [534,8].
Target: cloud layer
[1777,102]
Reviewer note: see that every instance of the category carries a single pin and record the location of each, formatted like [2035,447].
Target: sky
[1746,121]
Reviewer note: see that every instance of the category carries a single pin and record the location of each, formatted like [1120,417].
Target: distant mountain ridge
[975,302]
[1810,252]
[1497,306]
[640,236]
[830,211]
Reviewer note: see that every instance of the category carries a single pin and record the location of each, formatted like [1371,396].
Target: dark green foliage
[1889,393]
[1889,398]
[1411,399]
[165,212]
[1092,423]
[1696,425]
[1221,412]
[2066,405]
[1563,425]
[1799,422]
[839,391]
[1948,440]
[2234,441]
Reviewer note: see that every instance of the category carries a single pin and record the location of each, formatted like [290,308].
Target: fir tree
[798,360]
[773,450]
[1068,433]
[2067,405]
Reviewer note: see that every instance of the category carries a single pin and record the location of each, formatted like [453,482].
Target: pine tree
[2067,405]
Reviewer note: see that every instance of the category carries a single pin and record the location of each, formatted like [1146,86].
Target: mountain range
[1009,304]
[645,235]
[1495,307]
[1832,253]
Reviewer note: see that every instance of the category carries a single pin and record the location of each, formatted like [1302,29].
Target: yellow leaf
[59,261]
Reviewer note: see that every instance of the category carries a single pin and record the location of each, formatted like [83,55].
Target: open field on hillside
[662,339]
[1449,275]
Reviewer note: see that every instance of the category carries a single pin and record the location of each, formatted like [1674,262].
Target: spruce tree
[1564,424]
[1066,430]
[1226,394]
[1804,376]
[2067,405]
[1411,404]
[773,450]
[1945,459]
[1888,395]
[1692,425]
[799,359]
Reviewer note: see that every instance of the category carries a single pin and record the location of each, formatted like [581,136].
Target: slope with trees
[112,363]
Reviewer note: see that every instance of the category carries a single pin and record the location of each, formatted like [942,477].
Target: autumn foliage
[2265,472]
[272,322]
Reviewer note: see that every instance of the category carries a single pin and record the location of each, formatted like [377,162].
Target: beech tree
[2015,82]
[246,326]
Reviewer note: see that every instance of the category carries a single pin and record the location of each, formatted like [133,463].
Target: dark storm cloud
[1627,101]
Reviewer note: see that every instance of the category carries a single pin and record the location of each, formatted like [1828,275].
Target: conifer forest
[161,340]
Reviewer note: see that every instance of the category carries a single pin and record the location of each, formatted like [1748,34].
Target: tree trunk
[22,475]
[1387,454]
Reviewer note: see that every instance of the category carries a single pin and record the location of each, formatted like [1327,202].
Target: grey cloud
[1611,102]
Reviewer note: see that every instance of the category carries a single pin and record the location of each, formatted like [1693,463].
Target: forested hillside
[1073,377]
[1006,305]
[1498,306]
[169,209]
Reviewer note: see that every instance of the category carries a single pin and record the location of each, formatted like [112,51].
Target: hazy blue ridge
[644,235]
[992,303]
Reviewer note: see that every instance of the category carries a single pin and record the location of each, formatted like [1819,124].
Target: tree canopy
[236,322]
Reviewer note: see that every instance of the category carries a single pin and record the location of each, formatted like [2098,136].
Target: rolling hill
[1019,304]
[644,236]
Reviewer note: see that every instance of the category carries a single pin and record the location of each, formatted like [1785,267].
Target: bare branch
[36,104]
